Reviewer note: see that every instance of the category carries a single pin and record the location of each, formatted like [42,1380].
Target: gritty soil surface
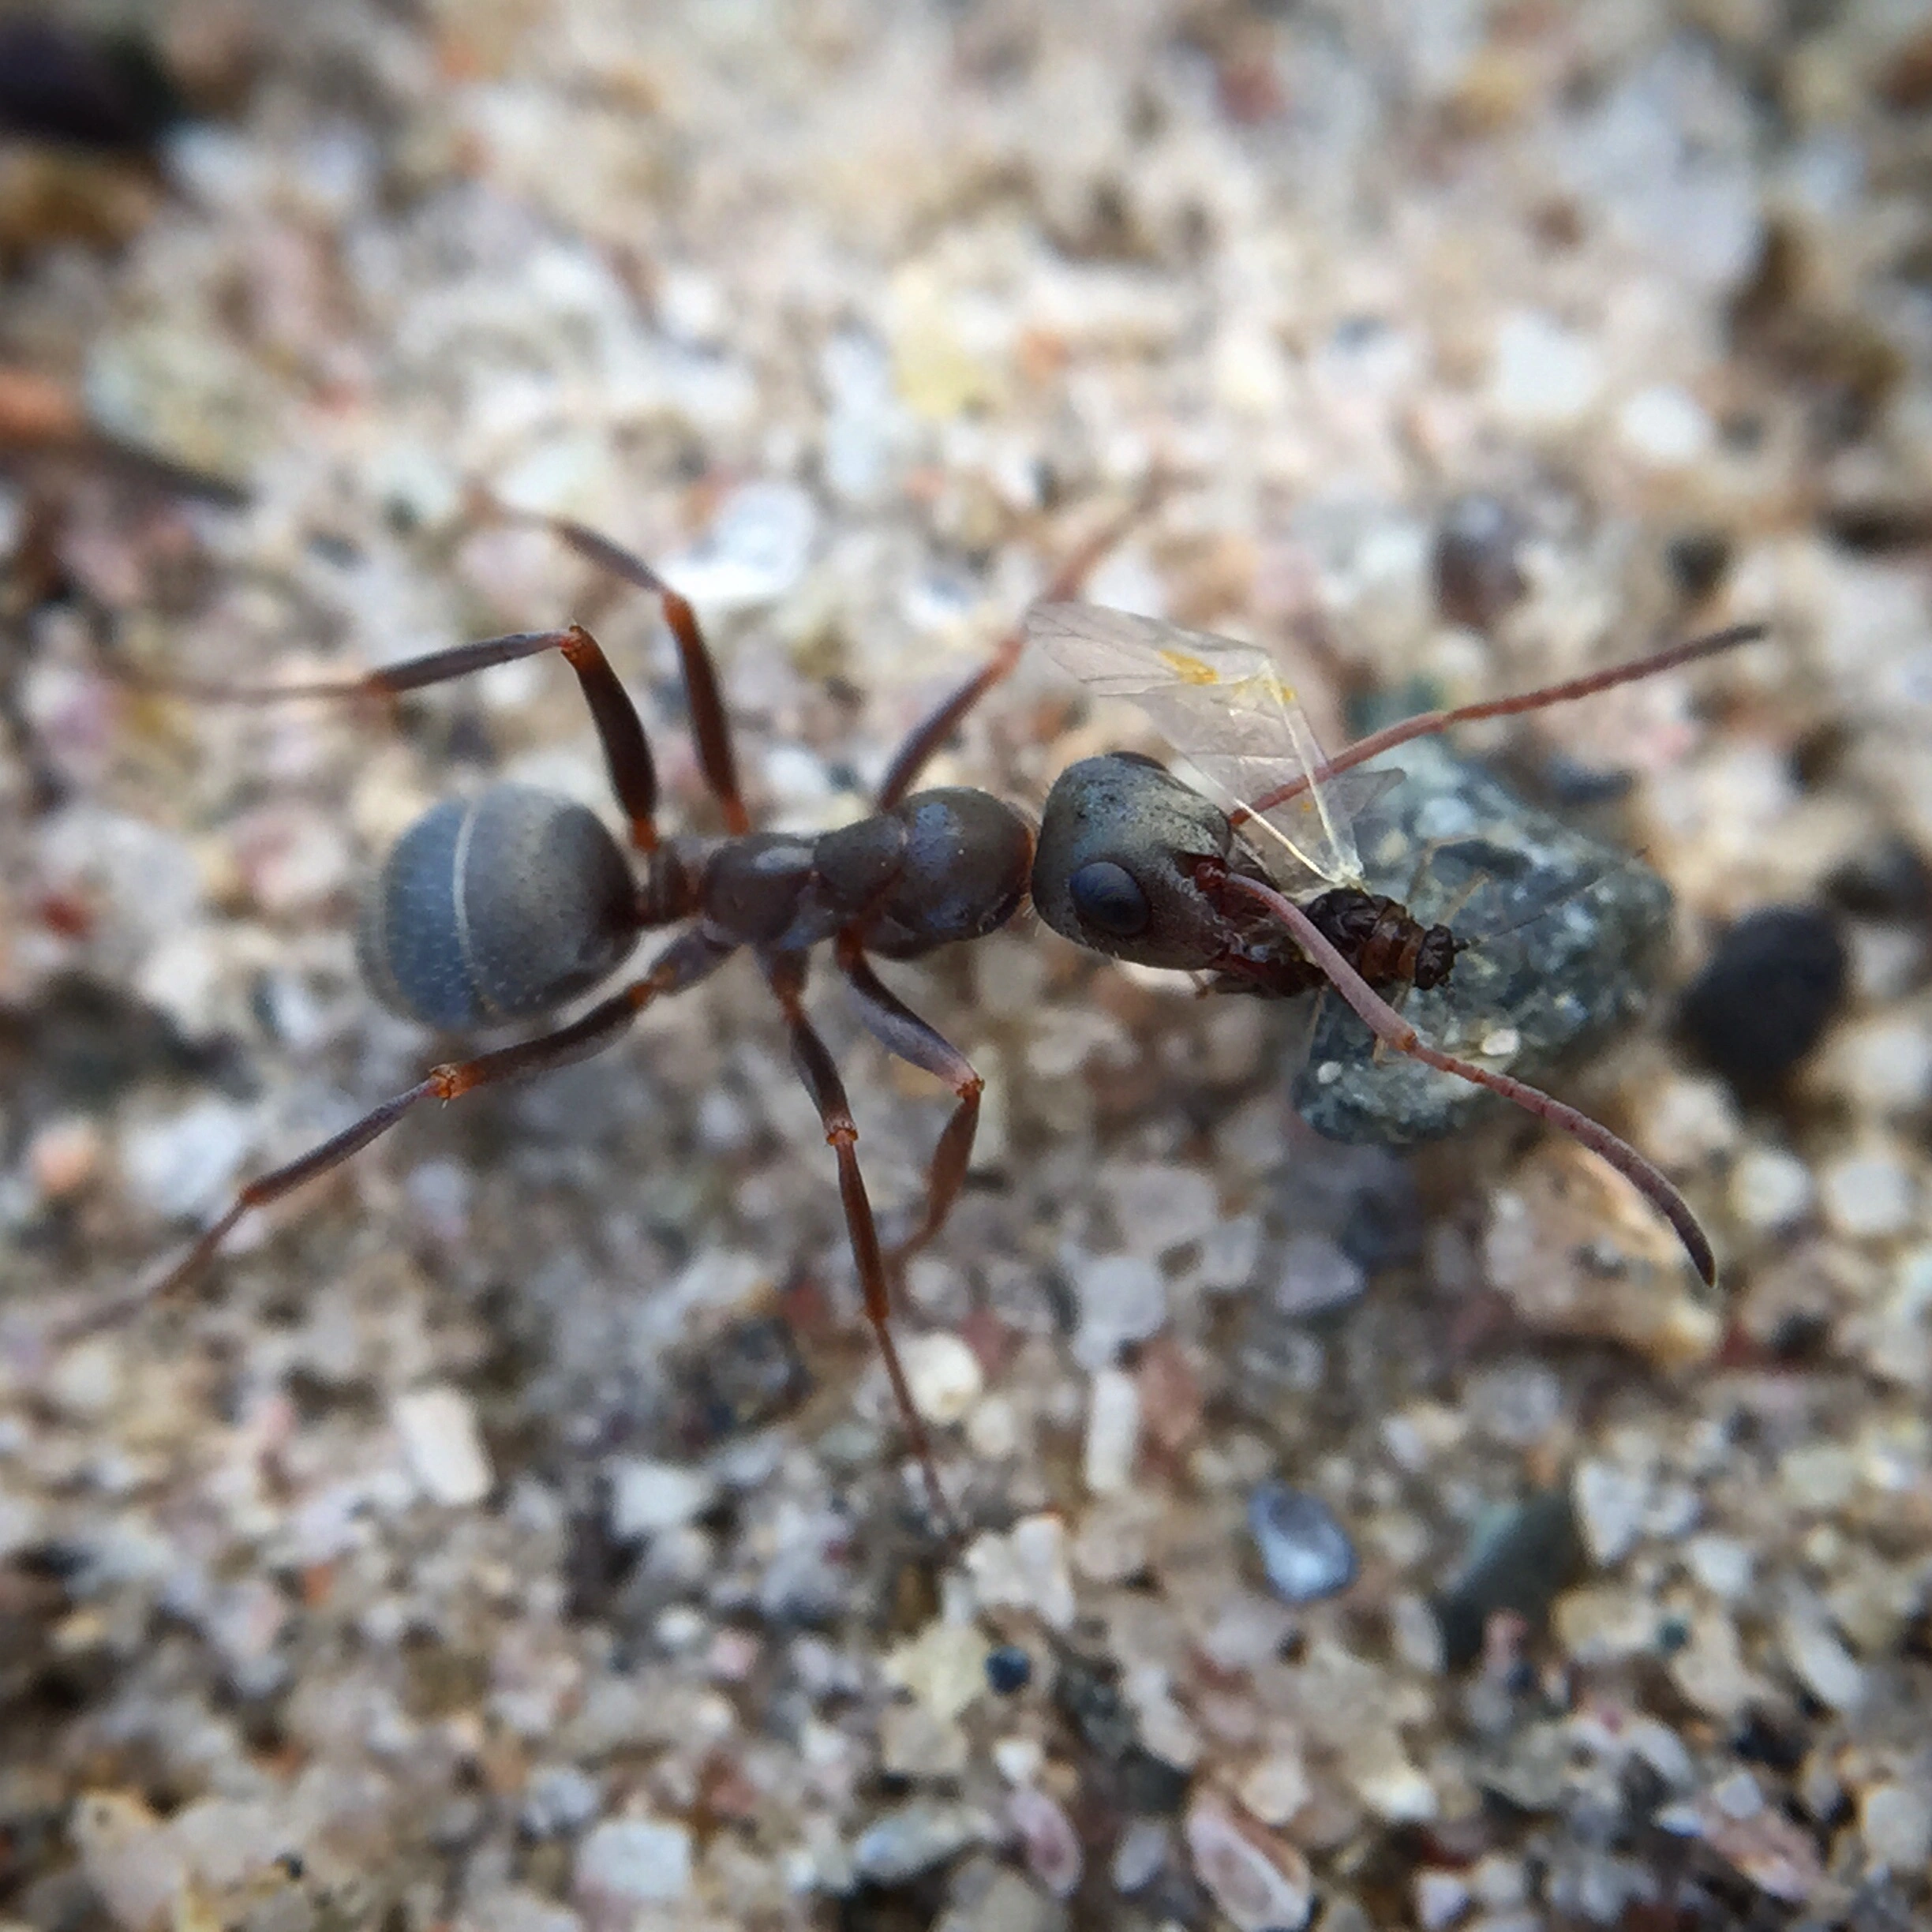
[513,1531]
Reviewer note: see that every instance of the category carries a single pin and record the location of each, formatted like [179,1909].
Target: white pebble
[1259,1891]
[1113,1432]
[1867,1198]
[944,1374]
[1610,1504]
[628,1862]
[1542,376]
[1274,1788]
[1138,1856]
[1122,1299]
[649,1497]
[1770,1190]
[1317,1275]
[86,1382]
[1829,1670]
[1026,1569]
[184,1167]
[1664,426]
[1721,1564]
[1157,1208]
[1053,1848]
[755,551]
[1441,1898]
[1895,1822]
[440,1437]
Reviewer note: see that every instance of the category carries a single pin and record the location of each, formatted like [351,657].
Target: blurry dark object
[1477,576]
[1697,560]
[1889,880]
[1008,1669]
[1766,994]
[1520,1557]
[60,83]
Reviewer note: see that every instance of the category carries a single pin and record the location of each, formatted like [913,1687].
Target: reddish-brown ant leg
[785,973]
[932,732]
[1386,1024]
[902,1032]
[682,965]
[1426,724]
[710,726]
[626,751]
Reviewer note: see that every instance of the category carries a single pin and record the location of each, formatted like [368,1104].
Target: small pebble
[1770,1190]
[558,1799]
[1766,994]
[1542,376]
[648,1498]
[185,1166]
[1053,1850]
[1478,574]
[1138,1856]
[1664,427]
[1441,1898]
[1113,1432]
[1259,1891]
[1008,1669]
[1306,1553]
[944,1374]
[1316,1276]
[64,1156]
[1895,1822]
[1611,1502]
[627,1862]
[445,1449]
[1867,1198]
[1829,1670]
[1122,1299]
[913,1838]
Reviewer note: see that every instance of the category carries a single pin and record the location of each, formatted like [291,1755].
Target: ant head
[1119,841]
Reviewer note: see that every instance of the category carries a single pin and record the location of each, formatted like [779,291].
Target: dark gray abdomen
[496,908]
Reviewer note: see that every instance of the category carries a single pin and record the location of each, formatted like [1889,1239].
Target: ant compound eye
[1108,898]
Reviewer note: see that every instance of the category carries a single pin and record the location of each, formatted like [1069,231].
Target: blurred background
[514,1532]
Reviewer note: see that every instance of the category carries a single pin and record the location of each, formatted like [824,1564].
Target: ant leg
[710,727]
[1384,1021]
[1426,724]
[620,731]
[785,973]
[682,965]
[902,1032]
[932,732]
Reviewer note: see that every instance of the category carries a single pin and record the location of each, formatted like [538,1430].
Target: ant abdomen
[496,908]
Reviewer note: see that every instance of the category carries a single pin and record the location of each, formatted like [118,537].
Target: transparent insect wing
[1227,709]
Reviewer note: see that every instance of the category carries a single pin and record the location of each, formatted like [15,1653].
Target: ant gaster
[504,906]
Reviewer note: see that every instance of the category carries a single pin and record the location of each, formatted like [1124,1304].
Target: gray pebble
[1565,927]
[1306,1552]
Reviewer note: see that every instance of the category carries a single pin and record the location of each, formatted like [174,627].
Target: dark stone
[1477,576]
[1563,930]
[60,83]
[1889,880]
[1765,995]
[1519,1558]
[1009,1669]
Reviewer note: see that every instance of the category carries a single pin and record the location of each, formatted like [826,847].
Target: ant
[502,908]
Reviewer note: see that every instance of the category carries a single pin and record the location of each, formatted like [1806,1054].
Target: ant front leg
[710,725]
[902,1032]
[785,973]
